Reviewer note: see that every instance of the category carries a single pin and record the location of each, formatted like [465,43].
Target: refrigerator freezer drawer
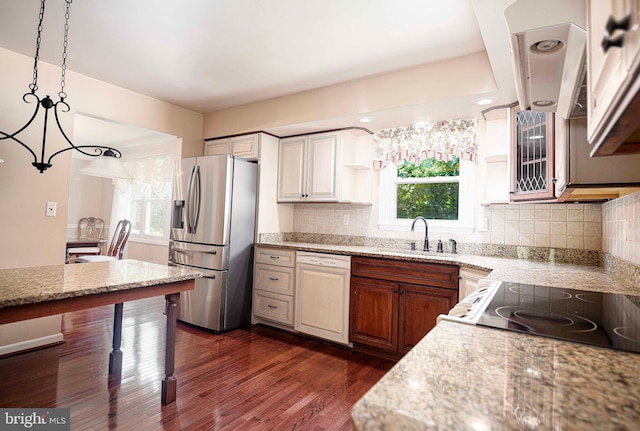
[204,305]
[202,256]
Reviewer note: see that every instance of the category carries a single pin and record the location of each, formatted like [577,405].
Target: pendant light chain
[34,85]
[62,94]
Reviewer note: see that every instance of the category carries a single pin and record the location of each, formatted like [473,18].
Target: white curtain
[153,170]
[442,140]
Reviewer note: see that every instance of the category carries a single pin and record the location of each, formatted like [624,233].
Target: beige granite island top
[544,273]
[464,377]
[19,286]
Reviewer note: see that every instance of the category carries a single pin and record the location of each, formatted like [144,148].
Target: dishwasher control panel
[319,259]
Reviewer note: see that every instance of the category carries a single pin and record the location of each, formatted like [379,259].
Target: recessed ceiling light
[486,101]
[544,103]
[365,120]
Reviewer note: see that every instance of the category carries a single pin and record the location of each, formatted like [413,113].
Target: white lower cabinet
[273,287]
[469,281]
[273,306]
[322,296]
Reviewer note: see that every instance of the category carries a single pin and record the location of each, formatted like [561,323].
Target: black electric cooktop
[609,320]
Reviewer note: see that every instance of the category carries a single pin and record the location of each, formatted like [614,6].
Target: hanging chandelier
[48,104]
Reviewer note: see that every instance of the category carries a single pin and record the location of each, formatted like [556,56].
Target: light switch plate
[51,209]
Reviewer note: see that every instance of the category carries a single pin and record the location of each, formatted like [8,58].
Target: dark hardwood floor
[251,378]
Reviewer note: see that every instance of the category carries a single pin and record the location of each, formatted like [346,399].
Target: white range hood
[548,40]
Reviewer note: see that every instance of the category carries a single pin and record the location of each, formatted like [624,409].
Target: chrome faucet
[425,247]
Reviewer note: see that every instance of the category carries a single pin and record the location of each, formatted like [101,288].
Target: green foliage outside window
[437,201]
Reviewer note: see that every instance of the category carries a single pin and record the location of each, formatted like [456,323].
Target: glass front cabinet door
[532,150]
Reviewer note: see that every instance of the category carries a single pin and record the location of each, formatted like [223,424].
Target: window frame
[146,202]
[387,219]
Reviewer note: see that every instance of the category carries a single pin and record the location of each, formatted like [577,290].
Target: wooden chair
[116,249]
[89,228]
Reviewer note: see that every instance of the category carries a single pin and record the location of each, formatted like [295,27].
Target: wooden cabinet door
[321,172]
[374,313]
[419,309]
[292,169]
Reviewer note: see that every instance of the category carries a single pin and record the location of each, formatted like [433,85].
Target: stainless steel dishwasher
[322,295]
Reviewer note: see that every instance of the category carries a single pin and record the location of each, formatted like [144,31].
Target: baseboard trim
[35,343]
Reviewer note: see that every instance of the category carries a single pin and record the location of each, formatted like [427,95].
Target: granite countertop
[19,286]
[465,377]
[544,273]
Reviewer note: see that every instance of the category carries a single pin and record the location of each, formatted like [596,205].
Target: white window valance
[154,170]
[442,140]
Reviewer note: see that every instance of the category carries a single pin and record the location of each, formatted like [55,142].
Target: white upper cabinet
[245,146]
[613,60]
[320,168]
[292,169]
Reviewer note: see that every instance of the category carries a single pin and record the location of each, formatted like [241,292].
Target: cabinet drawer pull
[274,257]
[273,279]
[272,306]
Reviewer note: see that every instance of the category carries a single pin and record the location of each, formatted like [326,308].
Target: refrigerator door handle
[198,201]
[190,202]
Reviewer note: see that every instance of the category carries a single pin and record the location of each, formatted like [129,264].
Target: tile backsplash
[575,226]
[621,228]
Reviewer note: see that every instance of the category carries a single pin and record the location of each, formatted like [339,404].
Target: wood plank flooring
[254,378]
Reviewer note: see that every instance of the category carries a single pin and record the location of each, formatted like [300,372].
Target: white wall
[30,238]
[412,86]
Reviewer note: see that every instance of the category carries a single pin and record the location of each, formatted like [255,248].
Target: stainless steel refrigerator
[213,229]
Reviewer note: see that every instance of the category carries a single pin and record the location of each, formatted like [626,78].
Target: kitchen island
[465,377]
[27,293]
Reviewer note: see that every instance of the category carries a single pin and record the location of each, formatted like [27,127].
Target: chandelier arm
[35,158]
[35,113]
[99,149]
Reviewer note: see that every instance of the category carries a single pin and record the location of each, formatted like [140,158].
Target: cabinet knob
[621,24]
[608,42]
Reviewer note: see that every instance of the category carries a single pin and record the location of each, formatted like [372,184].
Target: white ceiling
[207,55]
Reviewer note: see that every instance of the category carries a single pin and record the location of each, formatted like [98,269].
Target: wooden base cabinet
[389,314]
[419,309]
[374,313]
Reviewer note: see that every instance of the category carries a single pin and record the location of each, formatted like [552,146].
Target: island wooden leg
[115,358]
[170,384]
